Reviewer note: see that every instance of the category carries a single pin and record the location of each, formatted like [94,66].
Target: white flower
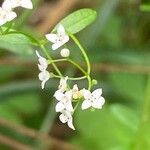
[58,39]
[93,99]
[65,101]
[44,74]
[6,14]
[65,52]
[42,62]
[22,3]
[76,93]
[66,117]
[63,84]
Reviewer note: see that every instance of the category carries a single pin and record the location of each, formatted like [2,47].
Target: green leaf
[17,43]
[78,20]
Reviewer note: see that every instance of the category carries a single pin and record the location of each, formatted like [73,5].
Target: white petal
[15,3]
[61,30]
[86,94]
[11,15]
[56,45]
[59,107]
[63,118]
[43,62]
[2,22]
[65,39]
[86,104]
[63,84]
[69,107]
[97,93]
[43,84]
[27,4]
[7,5]
[102,100]
[44,76]
[51,37]
[69,94]
[41,68]
[59,95]
[98,103]
[70,123]
[75,88]
[60,43]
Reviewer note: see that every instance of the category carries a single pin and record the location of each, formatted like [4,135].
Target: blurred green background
[118,45]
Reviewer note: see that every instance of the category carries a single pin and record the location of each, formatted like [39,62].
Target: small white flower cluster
[64,105]
[6,10]
[58,40]
[65,97]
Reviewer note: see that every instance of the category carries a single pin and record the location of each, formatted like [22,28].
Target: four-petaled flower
[66,117]
[65,101]
[93,99]
[76,94]
[6,14]
[44,74]
[58,39]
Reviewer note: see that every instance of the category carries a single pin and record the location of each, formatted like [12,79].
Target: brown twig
[36,135]
[55,14]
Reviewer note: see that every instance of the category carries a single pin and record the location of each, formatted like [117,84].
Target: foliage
[118,45]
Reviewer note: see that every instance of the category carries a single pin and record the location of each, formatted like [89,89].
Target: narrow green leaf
[78,20]
[17,43]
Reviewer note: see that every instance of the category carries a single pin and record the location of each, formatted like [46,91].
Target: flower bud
[94,82]
[65,52]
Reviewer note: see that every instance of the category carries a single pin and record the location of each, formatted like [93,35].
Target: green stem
[78,66]
[90,82]
[72,62]
[73,79]
[83,52]
[56,60]
[85,57]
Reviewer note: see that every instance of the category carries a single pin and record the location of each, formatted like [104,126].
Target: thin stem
[85,57]
[90,82]
[56,60]
[72,62]
[78,66]
[83,52]
[73,79]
